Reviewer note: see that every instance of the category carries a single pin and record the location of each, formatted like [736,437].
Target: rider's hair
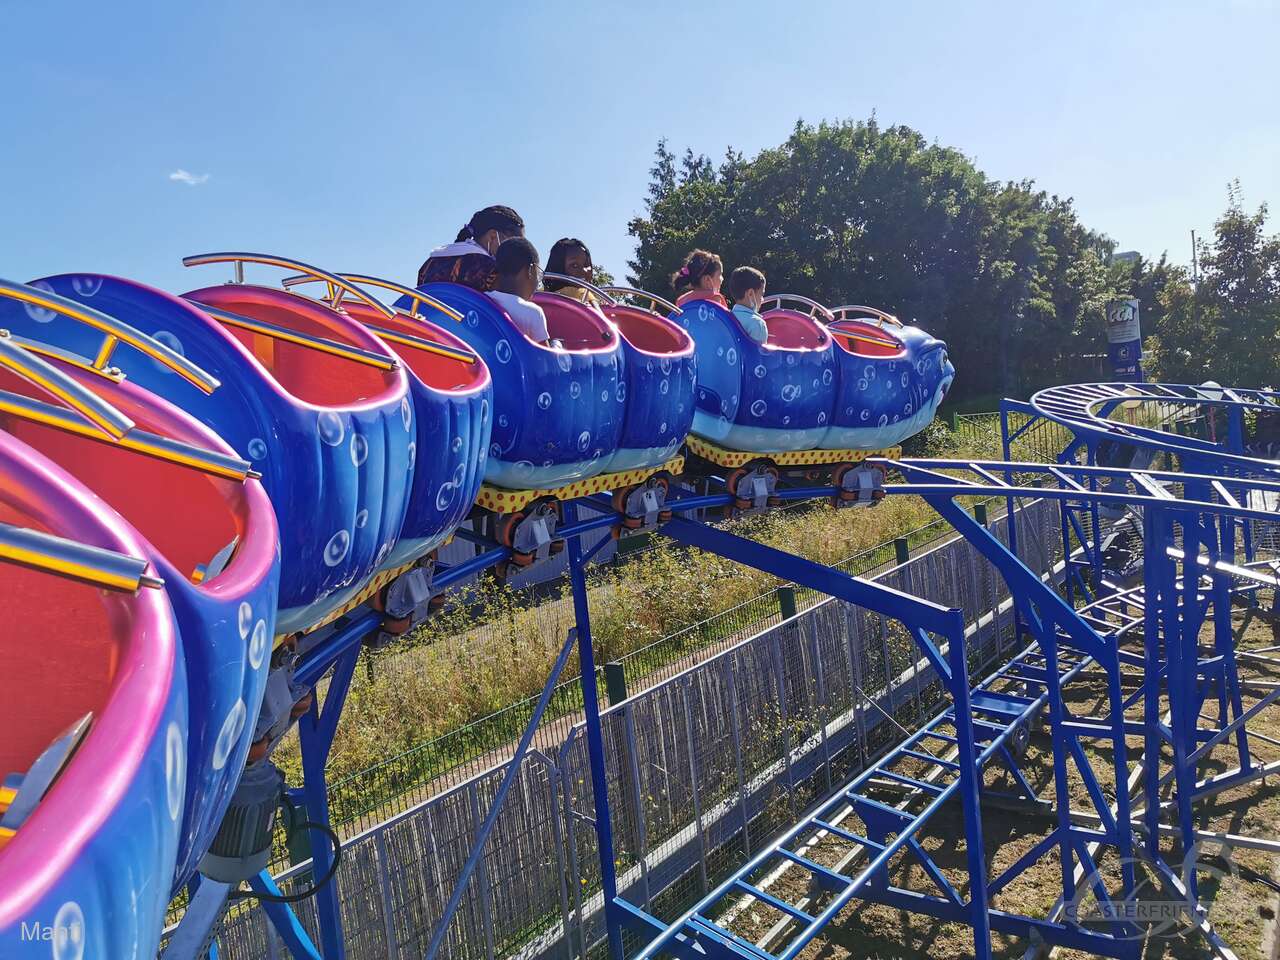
[516,254]
[556,258]
[502,219]
[743,279]
[698,264]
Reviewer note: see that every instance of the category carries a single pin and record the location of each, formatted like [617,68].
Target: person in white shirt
[516,282]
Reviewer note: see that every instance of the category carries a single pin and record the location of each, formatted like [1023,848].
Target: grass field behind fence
[446,702]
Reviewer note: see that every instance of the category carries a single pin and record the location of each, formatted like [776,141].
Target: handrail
[575,281]
[321,344]
[185,454]
[337,285]
[74,560]
[814,306]
[104,418]
[421,343]
[417,297]
[653,298]
[845,313]
[99,420]
[116,332]
[71,359]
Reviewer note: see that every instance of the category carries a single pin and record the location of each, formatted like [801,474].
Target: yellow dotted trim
[500,500]
[785,458]
[373,586]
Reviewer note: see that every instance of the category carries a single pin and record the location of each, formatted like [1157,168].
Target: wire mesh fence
[402,779]
[395,783]
[703,769]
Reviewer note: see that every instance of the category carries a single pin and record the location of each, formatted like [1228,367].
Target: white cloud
[190,179]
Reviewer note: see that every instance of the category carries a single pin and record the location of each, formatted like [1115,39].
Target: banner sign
[1124,340]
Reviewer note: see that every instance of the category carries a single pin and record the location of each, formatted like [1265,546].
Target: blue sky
[357,136]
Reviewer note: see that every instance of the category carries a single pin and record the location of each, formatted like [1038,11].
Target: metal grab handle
[74,560]
[114,374]
[103,416]
[423,344]
[848,311]
[337,285]
[814,306]
[321,344]
[417,297]
[212,462]
[98,419]
[116,333]
[598,291]
[653,298]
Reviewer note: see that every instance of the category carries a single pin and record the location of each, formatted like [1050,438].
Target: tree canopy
[1226,326]
[1007,274]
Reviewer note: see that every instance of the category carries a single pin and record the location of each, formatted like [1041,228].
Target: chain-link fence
[703,769]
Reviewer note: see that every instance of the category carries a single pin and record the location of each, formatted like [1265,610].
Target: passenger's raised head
[518,267]
[699,278]
[491,226]
[746,286]
[570,257]
[469,259]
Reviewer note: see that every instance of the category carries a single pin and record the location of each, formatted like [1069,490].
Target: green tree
[857,212]
[1226,327]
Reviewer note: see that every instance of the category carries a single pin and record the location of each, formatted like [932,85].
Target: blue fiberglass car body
[659,372]
[331,436]
[768,397]
[891,378]
[557,411]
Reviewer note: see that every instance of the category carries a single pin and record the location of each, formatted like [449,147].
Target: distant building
[1127,256]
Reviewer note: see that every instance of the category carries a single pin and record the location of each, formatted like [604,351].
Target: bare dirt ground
[1242,909]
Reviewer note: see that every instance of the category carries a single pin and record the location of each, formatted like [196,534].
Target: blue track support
[922,618]
[970,778]
[696,931]
[286,922]
[351,633]
[315,737]
[1050,619]
[835,583]
[1220,539]
[508,778]
[595,741]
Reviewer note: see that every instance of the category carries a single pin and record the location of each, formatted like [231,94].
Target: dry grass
[496,646]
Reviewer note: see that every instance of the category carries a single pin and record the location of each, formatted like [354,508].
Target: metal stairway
[1005,707]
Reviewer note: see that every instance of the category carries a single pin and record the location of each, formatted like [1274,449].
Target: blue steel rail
[1065,644]
[1210,494]
[998,712]
[1085,409]
[973,731]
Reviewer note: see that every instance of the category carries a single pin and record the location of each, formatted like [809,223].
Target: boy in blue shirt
[746,287]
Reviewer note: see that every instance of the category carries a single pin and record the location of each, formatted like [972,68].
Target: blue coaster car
[558,410]
[206,527]
[314,401]
[770,397]
[89,839]
[891,379]
[659,371]
[452,401]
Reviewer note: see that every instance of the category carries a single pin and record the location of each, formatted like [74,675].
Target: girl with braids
[469,260]
[571,257]
[699,279]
